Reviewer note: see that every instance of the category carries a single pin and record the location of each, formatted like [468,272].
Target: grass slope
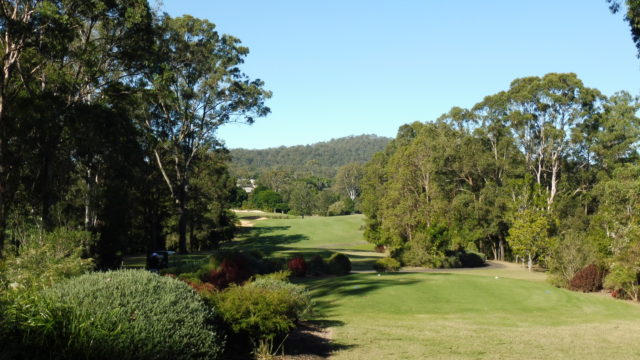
[308,236]
[457,316]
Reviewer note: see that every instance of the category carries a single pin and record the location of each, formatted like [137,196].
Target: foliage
[317,266]
[529,233]
[129,314]
[44,258]
[297,266]
[470,259]
[588,279]
[322,159]
[232,270]
[386,264]
[567,255]
[261,310]
[339,264]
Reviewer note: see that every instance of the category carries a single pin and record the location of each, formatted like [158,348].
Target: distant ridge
[320,159]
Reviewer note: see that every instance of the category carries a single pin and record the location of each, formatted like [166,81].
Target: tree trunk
[530,263]
[501,252]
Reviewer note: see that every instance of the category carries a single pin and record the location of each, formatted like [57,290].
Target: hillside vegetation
[320,159]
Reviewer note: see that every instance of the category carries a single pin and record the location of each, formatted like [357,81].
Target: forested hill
[321,159]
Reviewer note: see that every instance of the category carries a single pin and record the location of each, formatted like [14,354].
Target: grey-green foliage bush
[386,264]
[129,314]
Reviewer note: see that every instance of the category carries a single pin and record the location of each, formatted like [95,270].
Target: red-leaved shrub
[233,270]
[380,249]
[297,266]
[588,279]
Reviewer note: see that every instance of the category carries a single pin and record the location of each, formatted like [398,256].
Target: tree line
[321,159]
[108,120]
[299,192]
[546,171]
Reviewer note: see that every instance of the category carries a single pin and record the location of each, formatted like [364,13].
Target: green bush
[45,258]
[129,314]
[339,264]
[317,266]
[625,278]
[386,264]
[471,259]
[261,310]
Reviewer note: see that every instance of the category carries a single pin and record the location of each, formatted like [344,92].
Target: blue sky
[350,67]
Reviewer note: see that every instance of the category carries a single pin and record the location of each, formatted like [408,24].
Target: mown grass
[460,316]
[309,236]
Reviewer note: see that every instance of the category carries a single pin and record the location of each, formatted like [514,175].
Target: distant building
[247,184]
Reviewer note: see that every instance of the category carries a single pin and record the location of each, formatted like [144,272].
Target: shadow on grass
[262,239]
[335,289]
[312,339]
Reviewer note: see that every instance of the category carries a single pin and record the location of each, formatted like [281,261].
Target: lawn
[280,237]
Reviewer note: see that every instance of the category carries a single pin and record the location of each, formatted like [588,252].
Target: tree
[632,16]
[543,113]
[348,180]
[529,234]
[196,88]
[301,198]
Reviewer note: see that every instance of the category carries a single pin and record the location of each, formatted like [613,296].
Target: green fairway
[458,316]
[308,236]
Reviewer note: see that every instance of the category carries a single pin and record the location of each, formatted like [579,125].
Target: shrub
[339,264]
[471,259]
[232,270]
[625,281]
[298,298]
[588,279]
[380,249]
[297,266]
[386,264]
[317,266]
[46,258]
[129,314]
[260,311]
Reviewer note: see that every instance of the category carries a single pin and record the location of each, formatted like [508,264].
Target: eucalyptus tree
[348,180]
[543,113]
[196,87]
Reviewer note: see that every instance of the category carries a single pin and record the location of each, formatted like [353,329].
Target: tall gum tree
[196,87]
